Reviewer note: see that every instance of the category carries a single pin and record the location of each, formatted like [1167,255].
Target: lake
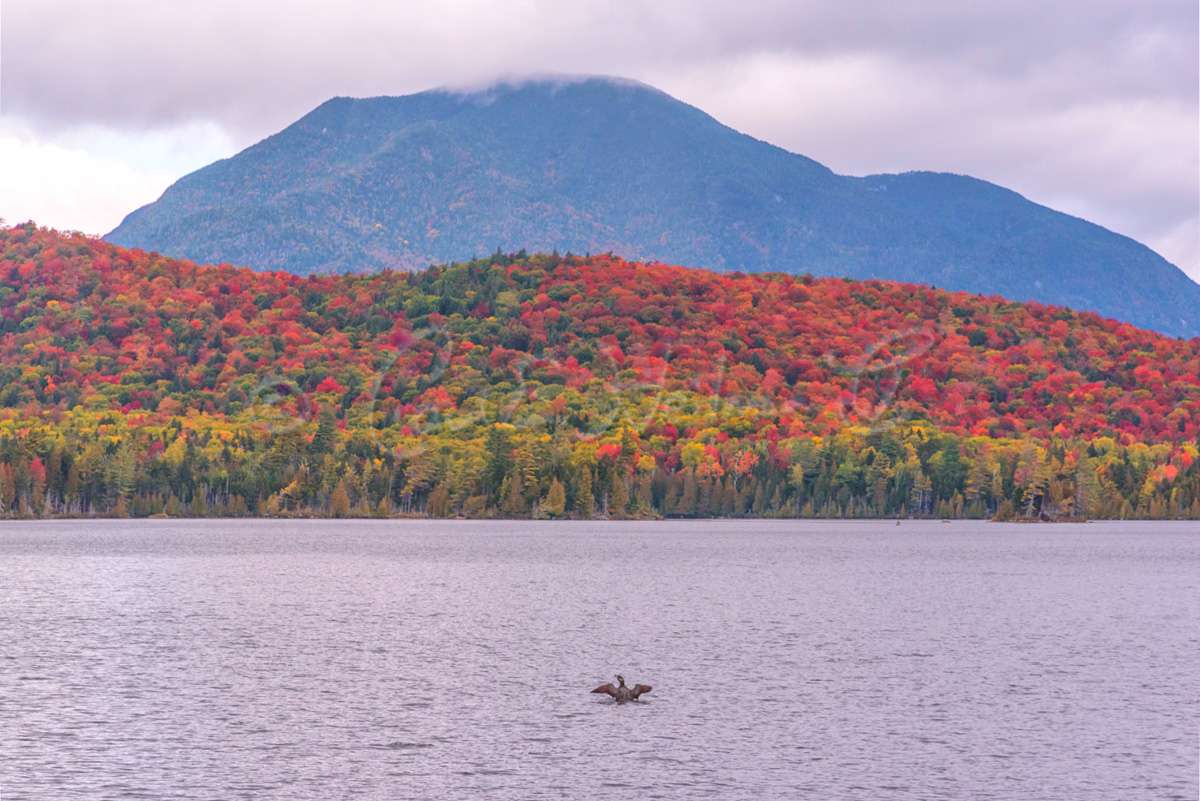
[430,660]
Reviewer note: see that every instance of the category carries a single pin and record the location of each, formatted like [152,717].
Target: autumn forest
[569,387]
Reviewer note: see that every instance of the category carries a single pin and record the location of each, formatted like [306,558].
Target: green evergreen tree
[585,502]
[322,442]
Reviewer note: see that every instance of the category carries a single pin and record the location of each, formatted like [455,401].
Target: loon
[621,693]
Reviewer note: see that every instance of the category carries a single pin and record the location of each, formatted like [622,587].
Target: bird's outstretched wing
[606,688]
[641,689]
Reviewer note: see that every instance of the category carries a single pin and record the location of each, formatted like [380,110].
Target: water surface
[792,660]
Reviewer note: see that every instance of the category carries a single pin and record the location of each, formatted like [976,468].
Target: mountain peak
[541,83]
[584,163]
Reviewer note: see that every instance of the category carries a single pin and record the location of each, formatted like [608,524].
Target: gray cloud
[1087,105]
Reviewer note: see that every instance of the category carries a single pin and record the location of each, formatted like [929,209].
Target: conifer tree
[555,502]
[585,503]
[339,501]
[618,494]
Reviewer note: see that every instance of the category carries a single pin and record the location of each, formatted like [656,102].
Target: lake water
[428,660]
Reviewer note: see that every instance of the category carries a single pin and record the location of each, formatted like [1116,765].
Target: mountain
[132,383]
[599,165]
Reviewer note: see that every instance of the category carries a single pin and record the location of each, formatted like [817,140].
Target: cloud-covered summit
[1086,106]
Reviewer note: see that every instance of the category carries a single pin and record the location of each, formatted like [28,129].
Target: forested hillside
[134,384]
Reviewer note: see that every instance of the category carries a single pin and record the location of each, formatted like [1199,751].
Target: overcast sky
[1088,106]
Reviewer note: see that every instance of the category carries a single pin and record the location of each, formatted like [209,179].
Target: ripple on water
[793,660]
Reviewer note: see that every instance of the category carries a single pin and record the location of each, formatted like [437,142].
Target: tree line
[202,467]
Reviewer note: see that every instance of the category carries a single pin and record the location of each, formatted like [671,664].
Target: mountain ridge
[594,165]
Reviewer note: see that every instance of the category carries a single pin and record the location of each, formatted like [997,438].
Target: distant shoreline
[898,522]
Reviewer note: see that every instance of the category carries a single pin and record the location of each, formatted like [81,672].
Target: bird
[621,693]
